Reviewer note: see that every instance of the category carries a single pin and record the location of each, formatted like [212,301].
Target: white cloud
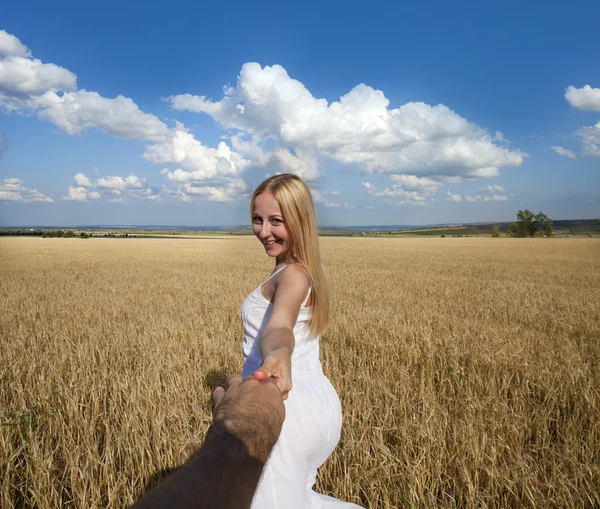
[268,106]
[590,137]
[348,206]
[454,197]
[563,152]
[226,192]
[120,117]
[369,207]
[412,198]
[203,163]
[27,84]
[303,164]
[586,98]
[10,46]
[318,198]
[396,191]
[81,180]
[112,185]
[479,198]
[120,183]
[24,79]
[12,189]
[422,184]
[499,137]
[76,194]
[335,193]
[493,188]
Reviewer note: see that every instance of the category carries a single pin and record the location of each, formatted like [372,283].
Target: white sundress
[313,419]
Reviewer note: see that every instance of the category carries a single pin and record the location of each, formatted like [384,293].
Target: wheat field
[468,369]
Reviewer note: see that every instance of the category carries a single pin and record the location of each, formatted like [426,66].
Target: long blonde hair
[298,213]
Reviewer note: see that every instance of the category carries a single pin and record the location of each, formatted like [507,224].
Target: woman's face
[268,226]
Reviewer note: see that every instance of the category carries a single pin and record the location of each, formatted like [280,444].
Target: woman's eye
[276,221]
[256,219]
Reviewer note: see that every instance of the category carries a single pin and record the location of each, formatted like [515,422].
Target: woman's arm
[277,339]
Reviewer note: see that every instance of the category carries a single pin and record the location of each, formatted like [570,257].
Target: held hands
[251,410]
[278,365]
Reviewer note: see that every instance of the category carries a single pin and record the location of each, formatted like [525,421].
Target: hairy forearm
[280,338]
[223,474]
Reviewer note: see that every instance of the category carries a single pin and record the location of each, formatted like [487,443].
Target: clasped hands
[277,365]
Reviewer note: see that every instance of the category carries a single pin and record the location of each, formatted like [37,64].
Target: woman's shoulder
[294,274]
[297,270]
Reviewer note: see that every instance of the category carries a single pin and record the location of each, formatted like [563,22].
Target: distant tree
[544,224]
[526,222]
[495,231]
[515,230]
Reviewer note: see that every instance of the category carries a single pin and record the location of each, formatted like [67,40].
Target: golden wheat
[468,369]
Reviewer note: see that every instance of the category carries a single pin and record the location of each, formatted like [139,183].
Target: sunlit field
[468,369]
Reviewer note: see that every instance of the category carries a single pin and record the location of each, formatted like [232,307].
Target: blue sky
[171,113]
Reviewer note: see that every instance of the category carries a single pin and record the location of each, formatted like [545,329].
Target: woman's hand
[277,364]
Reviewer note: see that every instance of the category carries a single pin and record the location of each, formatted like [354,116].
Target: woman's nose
[264,230]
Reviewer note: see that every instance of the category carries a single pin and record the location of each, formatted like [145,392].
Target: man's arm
[224,473]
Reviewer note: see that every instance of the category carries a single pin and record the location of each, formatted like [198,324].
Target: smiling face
[269,228]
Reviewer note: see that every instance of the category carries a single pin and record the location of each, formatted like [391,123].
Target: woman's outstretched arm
[277,339]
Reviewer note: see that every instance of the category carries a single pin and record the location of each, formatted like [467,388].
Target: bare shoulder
[294,277]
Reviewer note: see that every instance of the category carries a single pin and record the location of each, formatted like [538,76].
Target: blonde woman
[283,319]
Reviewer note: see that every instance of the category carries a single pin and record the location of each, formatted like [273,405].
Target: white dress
[313,419]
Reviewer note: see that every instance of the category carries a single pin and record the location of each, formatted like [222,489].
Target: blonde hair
[298,213]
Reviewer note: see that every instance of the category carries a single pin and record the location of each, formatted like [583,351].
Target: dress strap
[287,265]
[273,275]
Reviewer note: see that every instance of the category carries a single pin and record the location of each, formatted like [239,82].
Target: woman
[283,319]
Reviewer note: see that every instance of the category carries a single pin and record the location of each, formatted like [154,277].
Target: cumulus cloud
[411,198]
[81,180]
[50,91]
[213,174]
[318,198]
[119,183]
[10,46]
[563,152]
[120,117]
[454,197]
[225,192]
[586,98]
[590,137]
[203,163]
[479,198]
[267,106]
[493,188]
[76,194]
[112,185]
[24,79]
[335,193]
[424,185]
[13,190]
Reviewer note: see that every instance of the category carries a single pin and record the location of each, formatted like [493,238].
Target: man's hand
[251,410]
